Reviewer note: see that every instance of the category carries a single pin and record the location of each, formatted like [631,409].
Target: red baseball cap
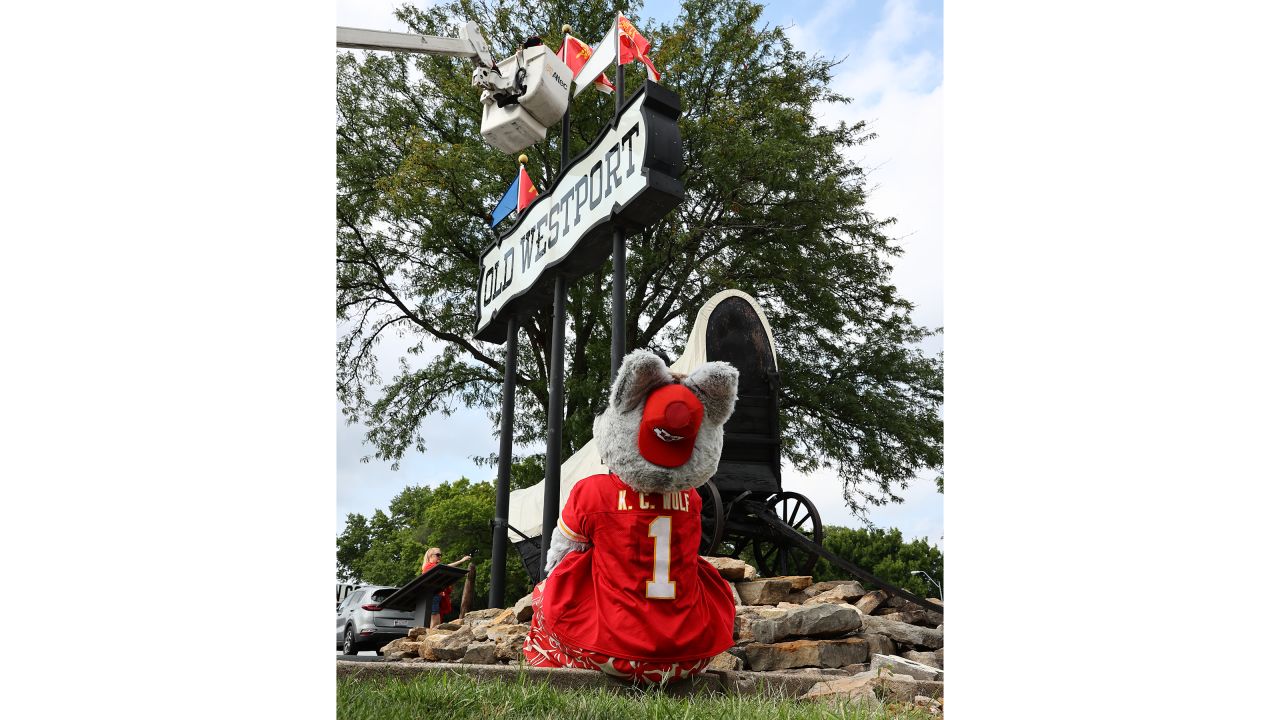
[669,425]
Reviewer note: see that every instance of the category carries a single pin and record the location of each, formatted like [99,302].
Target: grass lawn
[448,695]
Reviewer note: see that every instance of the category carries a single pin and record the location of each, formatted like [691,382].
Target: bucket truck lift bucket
[542,104]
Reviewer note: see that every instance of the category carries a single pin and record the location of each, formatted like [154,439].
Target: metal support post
[555,425]
[498,575]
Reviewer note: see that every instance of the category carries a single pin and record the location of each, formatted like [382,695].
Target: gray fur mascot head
[663,432]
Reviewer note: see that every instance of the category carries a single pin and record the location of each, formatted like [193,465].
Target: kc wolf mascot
[627,593]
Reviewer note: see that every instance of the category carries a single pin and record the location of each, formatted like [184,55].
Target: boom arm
[471,45]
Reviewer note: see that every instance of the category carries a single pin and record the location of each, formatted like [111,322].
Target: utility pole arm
[470,46]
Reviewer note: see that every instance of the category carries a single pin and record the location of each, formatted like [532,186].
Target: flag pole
[564,121]
[555,394]
[619,341]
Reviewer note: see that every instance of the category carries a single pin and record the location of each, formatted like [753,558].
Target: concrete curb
[711,682]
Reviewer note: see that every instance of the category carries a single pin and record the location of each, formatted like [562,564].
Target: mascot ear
[641,372]
[716,385]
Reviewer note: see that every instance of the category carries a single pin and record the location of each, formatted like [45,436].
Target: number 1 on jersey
[661,587]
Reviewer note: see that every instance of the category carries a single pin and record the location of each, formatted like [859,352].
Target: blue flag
[507,204]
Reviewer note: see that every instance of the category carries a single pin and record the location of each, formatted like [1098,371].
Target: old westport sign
[628,176]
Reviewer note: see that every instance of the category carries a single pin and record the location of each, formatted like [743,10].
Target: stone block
[449,646]
[506,617]
[924,658]
[485,614]
[902,666]
[508,640]
[842,593]
[903,632]
[769,591]
[731,569]
[880,644]
[899,688]
[913,615]
[524,608]
[872,600]
[807,621]
[725,661]
[806,653]
[480,653]
[821,587]
[401,648]
[798,582]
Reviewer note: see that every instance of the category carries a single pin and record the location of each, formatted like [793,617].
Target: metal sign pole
[619,341]
[498,574]
[555,423]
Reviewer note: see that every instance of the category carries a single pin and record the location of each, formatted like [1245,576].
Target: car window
[351,600]
[380,595]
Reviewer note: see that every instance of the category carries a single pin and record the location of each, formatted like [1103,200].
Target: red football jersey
[641,592]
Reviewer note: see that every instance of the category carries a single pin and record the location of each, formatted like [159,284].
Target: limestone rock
[480,653]
[796,597]
[901,688]
[725,661]
[807,621]
[856,668]
[798,582]
[731,569]
[508,640]
[451,625]
[806,653]
[769,591]
[449,646]
[924,658]
[871,601]
[841,593]
[480,631]
[485,614]
[902,632]
[400,648]
[416,633]
[879,644]
[747,615]
[902,666]
[938,653]
[506,617]
[914,615]
[524,608]
[854,588]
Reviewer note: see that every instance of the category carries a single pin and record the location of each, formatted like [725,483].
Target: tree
[772,206]
[883,554]
[388,548]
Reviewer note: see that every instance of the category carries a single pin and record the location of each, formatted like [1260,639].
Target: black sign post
[627,178]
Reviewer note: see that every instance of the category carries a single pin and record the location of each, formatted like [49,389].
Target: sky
[892,68]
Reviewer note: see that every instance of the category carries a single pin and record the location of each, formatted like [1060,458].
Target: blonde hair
[427,558]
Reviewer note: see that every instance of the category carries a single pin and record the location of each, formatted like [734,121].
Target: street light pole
[930,579]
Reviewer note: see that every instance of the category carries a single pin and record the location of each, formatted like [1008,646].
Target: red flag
[633,46]
[527,191]
[579,53]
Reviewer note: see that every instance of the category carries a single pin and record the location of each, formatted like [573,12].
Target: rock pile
[868,641]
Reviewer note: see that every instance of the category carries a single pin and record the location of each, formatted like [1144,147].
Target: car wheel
[349,641]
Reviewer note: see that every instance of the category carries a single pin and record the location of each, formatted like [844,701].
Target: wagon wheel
[712,519]
[776,556]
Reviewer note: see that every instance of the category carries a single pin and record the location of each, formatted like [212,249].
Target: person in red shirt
[628,593]
[441,604]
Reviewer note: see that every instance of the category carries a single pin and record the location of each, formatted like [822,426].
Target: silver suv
[364,625]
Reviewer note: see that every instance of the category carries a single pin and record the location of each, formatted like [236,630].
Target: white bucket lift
[521,121]
[522,95]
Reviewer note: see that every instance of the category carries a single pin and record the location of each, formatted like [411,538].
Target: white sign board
[598,187]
